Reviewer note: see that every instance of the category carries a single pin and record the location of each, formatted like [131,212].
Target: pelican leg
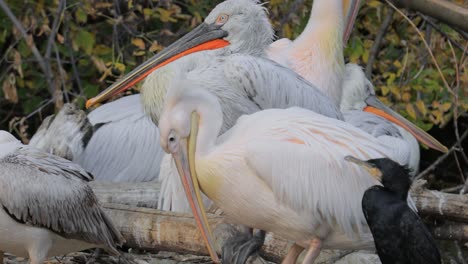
[293,254]
[243,244]
[313,251]
[1,257]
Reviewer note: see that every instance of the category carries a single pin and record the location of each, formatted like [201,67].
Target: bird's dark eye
[222,19]
[171,139]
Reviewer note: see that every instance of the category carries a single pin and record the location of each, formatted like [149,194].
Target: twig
[436,27]
[35,51]
[455,147]
[447,86]
[378,40]
[60,69]
[55,25]
[76,74]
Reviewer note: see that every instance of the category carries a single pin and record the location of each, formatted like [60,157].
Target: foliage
[98,41]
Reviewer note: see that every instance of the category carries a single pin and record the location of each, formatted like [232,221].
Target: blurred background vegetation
[71,50]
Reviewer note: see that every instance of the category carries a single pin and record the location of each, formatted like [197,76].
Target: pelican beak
[185,162]
[203,37]
[376,107]
[373,170]
[350,11]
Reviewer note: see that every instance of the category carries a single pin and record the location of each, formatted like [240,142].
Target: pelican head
[395,177]
[179,134]
[6,137]
[7,143]
[235,26]
[358,94]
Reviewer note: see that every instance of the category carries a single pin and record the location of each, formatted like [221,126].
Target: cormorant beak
[371,168]
[376,107]
[203,37]
[185,162]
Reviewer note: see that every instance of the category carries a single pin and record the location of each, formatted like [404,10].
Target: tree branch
[378,40]
[443,157]
[35,51]
[444,11]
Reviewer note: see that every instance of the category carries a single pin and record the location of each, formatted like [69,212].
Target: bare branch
[439,160]
[55,25]
[444,11]
[378,40]
[35,51]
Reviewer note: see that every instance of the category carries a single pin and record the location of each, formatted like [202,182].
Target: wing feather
[304,154]
[47,191]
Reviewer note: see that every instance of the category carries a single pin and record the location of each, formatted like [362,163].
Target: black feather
[400,236]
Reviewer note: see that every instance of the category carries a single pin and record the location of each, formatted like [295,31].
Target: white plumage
[115,142]
[279,170]
[47,207]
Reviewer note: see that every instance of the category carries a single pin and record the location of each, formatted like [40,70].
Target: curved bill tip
[376,107]
[90,103]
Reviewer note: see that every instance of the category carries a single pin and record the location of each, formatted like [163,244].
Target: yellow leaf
[119,66]
[155,47]
[374,3]
[139,53]
[421,107]
[139,43]
[384,89]
[446,106]
[396,92]
[406,97]
[411,112]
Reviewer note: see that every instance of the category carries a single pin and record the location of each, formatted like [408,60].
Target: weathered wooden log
[150,229]
[446,205]
[143,194]
[451,232]
[435,203]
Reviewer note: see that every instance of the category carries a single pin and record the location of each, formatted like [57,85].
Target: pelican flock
[260,128]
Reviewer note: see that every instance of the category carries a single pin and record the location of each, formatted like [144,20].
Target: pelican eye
[171,139]
[222,19]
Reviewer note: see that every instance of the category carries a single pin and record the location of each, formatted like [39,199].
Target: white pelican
[277,170]
[115,142]
[47,207]
[317,55]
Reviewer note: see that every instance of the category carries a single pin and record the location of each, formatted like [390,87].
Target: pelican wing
[305,155]
[270,85]
[125,145]
[42,190]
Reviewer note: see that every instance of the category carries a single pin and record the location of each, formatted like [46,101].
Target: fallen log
[153,230]
[150,229]
[428,202]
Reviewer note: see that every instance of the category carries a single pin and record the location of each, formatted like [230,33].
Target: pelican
[317,55]
[47,207]
[279,170]
[115,142]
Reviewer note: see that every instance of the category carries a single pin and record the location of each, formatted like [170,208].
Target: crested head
[183,98]
[356,88]
[395,177]
[246,22]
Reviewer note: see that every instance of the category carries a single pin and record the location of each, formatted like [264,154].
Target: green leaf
[85,41]
[81,16]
